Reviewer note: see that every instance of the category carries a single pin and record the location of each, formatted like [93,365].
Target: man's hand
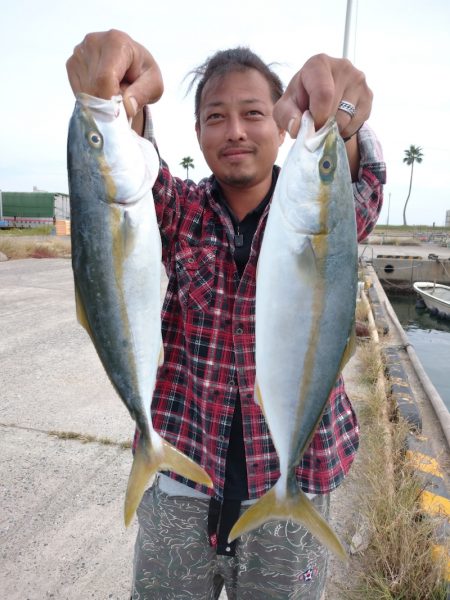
[110,63]
[320,85]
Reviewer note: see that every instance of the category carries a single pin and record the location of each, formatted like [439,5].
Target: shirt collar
[217,194]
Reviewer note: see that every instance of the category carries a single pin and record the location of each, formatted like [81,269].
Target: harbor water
[431,340]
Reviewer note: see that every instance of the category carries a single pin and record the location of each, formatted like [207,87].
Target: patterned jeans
[174,561]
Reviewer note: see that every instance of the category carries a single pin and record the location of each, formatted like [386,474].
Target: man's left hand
[320,85]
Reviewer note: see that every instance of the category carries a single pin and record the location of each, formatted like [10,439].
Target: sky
[402,46]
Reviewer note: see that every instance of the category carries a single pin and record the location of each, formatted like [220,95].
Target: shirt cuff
[371,153]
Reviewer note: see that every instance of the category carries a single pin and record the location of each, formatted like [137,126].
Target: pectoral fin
[81,313]
[307,259]
[161,356]
[349,348]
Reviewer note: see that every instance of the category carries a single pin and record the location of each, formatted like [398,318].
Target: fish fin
[258,396]
[259,399]
[128,231]
[307,259]
[294,506]
[81,312]
[161,356]
[350,348]
[147,462]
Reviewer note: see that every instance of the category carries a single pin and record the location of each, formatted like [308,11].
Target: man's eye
[213,116]
[254,113]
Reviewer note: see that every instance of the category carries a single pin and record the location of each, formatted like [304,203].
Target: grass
[18,232]
[89,439]
[395,241]
[411,228]
[15,247]
[399,562]
[371,365]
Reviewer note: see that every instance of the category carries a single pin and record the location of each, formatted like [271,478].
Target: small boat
[435,296]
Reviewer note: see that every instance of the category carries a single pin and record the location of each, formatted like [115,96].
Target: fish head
[104,149]
[314,177]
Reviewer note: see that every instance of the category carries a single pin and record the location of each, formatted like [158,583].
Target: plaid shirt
[208,326]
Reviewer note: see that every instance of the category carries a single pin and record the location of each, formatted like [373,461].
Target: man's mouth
[236,152]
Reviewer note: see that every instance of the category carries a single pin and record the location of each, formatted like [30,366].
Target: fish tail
[147,462]
[293,505]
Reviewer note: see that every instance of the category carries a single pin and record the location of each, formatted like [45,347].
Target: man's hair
[234,59]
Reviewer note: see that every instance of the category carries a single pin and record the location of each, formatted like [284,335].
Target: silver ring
[347,107]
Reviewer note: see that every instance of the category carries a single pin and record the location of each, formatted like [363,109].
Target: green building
[30,209]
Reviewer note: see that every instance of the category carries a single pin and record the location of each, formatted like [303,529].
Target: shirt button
[221,438]
[232,382]
[190,260]
[239,330]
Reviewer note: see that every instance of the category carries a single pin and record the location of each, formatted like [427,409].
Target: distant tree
[187,163]
[412,154]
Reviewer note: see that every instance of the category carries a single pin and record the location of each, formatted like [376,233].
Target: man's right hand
[110,63]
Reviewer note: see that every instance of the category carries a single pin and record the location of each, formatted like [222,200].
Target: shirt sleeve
[169,192]
[368,190]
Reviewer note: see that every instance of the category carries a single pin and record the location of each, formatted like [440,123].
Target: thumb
[287,115]
[146,89]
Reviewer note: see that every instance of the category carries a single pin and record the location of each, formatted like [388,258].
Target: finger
[357,92]
[99,63]
[287,112]
[350,125]
[287,115]
[73,75]
[344,118]
[320,89]
[146,87]
[115,59]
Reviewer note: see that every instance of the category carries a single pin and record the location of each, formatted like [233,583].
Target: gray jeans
[174,561]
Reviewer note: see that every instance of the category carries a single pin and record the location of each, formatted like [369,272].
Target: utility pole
[348,21]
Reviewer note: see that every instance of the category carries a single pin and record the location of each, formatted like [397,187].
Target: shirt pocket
[195,268]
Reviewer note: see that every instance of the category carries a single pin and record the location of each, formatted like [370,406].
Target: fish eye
[326,165]
[95,139]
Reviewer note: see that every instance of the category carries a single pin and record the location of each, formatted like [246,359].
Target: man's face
[236,130]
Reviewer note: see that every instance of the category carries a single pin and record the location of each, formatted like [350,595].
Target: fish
[116,263]
[306,286]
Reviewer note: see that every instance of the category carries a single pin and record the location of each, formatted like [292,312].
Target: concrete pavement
[61,528]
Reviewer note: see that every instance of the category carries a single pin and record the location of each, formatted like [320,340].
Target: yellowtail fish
[116,260]
[305,305]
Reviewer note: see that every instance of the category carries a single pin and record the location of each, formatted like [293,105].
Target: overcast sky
[403,47]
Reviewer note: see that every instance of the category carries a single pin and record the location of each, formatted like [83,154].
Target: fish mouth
[314,139]
[100,106]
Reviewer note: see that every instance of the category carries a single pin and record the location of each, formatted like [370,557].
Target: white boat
[435,296]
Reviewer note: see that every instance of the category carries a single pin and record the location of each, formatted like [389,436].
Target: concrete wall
[405,271]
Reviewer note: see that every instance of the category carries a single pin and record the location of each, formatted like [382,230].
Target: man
[211,233]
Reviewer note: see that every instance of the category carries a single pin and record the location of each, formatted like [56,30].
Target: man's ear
[197,131]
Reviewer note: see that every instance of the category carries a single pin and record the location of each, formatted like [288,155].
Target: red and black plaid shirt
[208,326]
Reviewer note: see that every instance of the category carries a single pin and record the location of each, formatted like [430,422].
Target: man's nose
[236,129]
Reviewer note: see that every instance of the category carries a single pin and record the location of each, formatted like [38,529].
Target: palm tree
[412,155]
[187,163]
